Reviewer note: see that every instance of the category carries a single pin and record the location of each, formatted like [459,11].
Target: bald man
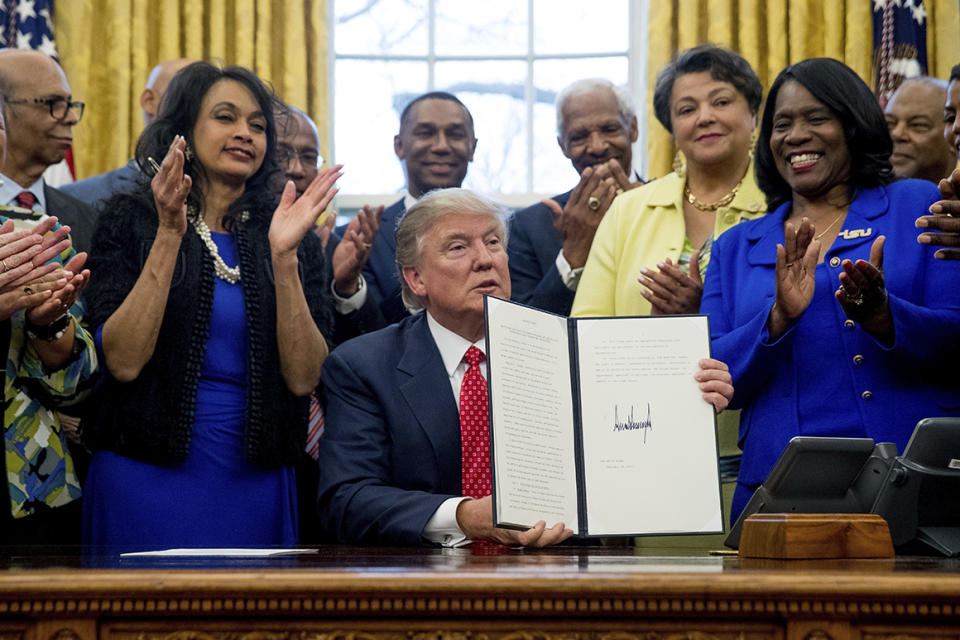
[915,120]
[41,481]
[97,189]
[40,114]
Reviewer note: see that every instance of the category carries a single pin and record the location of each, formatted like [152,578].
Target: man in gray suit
[95,190]
[40,114]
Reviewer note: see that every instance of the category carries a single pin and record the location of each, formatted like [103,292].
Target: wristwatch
[51,332]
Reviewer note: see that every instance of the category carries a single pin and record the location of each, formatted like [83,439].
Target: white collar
[452,346]
[10,189]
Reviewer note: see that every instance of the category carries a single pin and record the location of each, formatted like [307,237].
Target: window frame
[636,54]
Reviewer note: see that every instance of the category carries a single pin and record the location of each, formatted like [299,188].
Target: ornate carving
[915,634]
[448,634]
[64,634]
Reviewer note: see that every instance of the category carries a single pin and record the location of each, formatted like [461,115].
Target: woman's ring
[593,202]
[5,267]
[367,245]
[27,290]
[858,300]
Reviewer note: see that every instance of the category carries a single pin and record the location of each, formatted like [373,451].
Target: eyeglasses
[307,157]
[58,106]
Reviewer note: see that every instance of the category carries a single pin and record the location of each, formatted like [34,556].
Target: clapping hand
[863,294]
[946,220]
[67,284]
[796,266]
[670,291]
[324,231]
[579,218]
[25,255]
[354,249]
[171,188]
[294,217]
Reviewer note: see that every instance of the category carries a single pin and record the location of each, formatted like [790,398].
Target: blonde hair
[420,218]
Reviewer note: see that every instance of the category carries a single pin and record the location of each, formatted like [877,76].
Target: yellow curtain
[108,47]
[772,34]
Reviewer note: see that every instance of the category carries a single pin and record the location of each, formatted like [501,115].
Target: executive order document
[599,423]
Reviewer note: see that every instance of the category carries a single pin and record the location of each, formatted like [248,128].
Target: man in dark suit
[40,114]
[550,241]
[435,144]
[96,189]
[390,460]
[402,461]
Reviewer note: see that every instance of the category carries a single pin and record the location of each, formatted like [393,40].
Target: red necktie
[474,428]
[315,426]
[26,199]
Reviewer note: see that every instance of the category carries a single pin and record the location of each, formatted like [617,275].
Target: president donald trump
[405,458]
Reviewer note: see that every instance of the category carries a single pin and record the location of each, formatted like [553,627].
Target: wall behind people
[107,48]
[772,35]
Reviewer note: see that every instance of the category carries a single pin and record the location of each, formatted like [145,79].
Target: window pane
[494,93]
[491,27]
[574,26]
[381,27]
[369,97]
[552,172]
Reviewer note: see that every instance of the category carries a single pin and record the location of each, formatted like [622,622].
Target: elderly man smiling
[596,126]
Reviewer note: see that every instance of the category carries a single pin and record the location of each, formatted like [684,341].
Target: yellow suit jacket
[642,227]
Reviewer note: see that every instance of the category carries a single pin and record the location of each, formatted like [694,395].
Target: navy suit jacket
[390,455]
[380,271]
[532,247]
[97,189]
[81,217]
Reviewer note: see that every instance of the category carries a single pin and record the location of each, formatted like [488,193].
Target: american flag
[899,44]
[27,24]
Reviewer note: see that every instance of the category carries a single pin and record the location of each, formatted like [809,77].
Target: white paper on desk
[649,439]
[233,553]
[532,416]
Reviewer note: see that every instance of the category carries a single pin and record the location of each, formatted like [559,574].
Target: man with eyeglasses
[97,189]
[40,114]
[298,154]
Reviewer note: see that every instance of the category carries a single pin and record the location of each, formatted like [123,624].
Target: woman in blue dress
[833,319]
[210,315]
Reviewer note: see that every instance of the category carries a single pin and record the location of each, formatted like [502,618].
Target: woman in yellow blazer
[652,248]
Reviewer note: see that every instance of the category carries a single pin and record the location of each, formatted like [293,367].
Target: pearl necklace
[230,274]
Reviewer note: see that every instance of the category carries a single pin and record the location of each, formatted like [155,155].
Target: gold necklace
[835,220]
[713,206]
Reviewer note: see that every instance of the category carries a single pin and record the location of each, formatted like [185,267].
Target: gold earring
[679,164]
[753,143]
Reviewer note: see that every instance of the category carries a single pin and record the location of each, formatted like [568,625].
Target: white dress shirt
[9,190]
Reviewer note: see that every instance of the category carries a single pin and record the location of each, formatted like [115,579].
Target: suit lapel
[763,236]
[424,384]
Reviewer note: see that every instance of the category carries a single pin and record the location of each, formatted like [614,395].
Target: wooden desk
[426,594]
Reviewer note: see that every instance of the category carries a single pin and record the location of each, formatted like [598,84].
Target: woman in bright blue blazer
[833,319]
